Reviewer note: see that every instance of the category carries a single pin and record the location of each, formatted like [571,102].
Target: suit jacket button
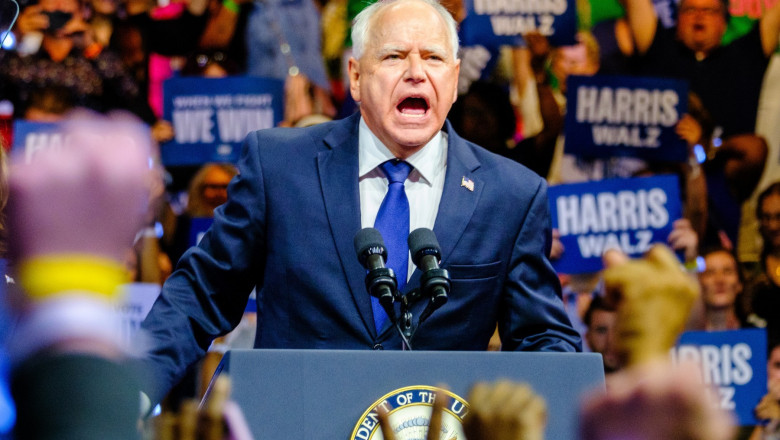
[378,347]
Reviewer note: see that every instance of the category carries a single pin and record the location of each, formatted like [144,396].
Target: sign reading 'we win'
[211,116]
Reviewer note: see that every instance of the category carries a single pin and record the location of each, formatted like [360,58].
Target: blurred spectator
[600,334]
[67,60]
[485,116]
[207,190]
[210,64]
[278,39]
[656,402]
[768,409]
[763,291]
[721,286]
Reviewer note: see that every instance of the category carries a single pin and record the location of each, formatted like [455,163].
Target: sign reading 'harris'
[496,22]
[211,116]
[625,116]
[733,362]
[630,214]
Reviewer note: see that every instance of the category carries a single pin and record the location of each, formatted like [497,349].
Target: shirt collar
[427,162]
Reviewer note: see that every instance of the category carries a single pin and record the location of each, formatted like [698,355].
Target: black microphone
[380,280]
[435,281]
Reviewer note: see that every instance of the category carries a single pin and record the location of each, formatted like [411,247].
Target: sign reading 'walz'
[497,22]
[630,214]
[625,116]
[211,116]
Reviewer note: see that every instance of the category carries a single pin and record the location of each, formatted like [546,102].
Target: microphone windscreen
[368,241]
[423,242]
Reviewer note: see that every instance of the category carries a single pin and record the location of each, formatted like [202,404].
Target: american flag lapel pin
[467,183]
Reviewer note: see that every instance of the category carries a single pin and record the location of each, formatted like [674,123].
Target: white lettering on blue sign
[722,365]
[193,126]
[626,106]
[234,124]
[192,101]
[522,24]
[35,143]
[612,212]
[493,7]
[622,135]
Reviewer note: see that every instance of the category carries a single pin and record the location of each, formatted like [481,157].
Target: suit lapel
[457,205]
[338,172]
[459,197]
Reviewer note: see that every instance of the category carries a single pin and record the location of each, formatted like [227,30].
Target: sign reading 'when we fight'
[630,214]
[625,116]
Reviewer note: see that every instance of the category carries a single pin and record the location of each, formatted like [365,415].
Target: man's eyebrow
[390,48]
[436,49]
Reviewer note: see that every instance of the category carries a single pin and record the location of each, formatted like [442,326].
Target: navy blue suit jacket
[288,229]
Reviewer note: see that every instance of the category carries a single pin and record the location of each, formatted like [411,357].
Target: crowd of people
[402,95]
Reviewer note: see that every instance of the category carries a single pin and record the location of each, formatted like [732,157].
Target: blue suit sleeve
[533,317]
[206,295]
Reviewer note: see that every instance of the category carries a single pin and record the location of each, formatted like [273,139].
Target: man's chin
[413,138]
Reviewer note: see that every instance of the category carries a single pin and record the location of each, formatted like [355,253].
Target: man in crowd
[303,194]
[727,78]
[600,336]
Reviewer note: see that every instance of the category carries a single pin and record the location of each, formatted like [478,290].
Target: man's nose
[415,69]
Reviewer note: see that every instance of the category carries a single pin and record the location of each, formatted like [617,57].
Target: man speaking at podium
[303,194]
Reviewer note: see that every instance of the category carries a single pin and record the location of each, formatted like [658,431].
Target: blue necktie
[392,221]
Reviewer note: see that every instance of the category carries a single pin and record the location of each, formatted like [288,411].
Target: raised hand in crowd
[505,410]
[74,212]
[653,297]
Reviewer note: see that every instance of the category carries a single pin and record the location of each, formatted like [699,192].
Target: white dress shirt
[423,186]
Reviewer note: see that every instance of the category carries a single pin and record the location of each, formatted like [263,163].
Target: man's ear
[353,70]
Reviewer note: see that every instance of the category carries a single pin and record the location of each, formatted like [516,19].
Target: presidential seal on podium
[409,412]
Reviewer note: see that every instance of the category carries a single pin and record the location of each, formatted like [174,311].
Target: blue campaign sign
[31,138]
[211,116]
[733,362]
[630,214]
[493,23]
[198,227]
[625,116]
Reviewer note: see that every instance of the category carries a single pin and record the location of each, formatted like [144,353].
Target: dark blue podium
[322,394]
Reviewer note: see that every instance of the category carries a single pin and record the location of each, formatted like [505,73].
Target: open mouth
[413,106]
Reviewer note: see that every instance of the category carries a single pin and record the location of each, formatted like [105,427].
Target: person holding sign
[302,195]
[726,77]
